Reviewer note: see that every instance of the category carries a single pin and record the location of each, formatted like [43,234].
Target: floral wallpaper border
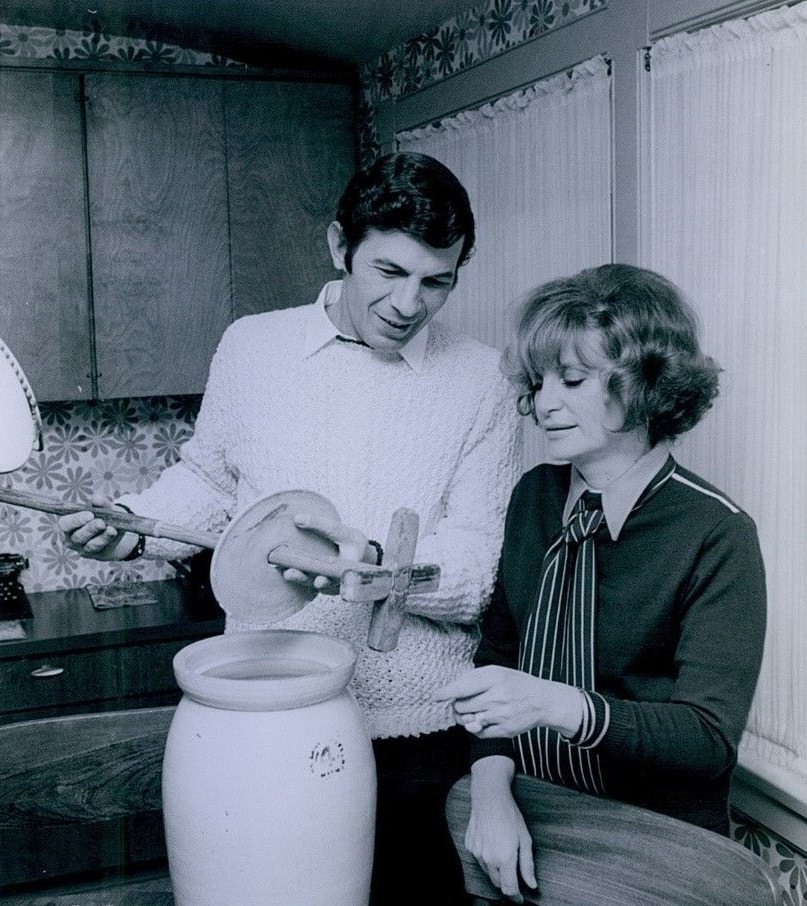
[94,44]
[472,37]
[788,864]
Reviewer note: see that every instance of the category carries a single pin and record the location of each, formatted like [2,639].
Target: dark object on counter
[14,604]
[121,594]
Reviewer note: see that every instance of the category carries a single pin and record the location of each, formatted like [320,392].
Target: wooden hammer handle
[120,519]
[286,556]
[360,582]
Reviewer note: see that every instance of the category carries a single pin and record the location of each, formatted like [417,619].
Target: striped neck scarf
[559,641]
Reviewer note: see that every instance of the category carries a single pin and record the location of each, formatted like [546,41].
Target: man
[362,398]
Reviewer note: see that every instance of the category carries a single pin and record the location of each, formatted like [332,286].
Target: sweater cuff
[482,748]
[596,720]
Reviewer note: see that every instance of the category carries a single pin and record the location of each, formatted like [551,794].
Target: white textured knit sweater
[370,433]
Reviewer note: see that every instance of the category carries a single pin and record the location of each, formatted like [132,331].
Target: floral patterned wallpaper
[479,34]
[113,447]
[121,445]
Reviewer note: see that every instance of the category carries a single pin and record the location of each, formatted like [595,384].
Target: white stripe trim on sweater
[691,484]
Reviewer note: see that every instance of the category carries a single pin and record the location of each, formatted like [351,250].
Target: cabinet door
[159,236]
[44,316]
[291,150]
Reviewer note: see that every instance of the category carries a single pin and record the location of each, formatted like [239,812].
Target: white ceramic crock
[268,777]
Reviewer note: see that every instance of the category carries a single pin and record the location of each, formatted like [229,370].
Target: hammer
[387,585]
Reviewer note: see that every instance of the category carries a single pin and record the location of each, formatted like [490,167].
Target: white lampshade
[19,415]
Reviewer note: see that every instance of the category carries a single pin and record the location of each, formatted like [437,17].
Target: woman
[622,646]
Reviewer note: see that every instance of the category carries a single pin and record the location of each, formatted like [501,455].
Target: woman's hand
[92,537]
[493,702]
[497,835]
[351,543]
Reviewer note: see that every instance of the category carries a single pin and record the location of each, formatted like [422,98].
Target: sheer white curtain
[537,167]
[724,115]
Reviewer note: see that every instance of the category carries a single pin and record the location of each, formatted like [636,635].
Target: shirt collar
[619,498]
[320,330]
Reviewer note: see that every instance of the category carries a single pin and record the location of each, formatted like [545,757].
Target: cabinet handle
[47,670]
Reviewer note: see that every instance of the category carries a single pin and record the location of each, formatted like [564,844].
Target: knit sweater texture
[371,434]
[680,628]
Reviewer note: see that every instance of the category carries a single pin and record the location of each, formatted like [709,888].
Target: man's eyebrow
[393,265]
[388,263]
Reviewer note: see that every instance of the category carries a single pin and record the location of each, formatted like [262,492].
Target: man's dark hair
[410,192]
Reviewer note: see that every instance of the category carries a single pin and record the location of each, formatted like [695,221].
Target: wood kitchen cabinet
[74,659]
[279,212]
[44,307]
[157,188]
[141,213]
[45,683]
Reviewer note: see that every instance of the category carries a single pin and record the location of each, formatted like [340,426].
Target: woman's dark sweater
[679,636]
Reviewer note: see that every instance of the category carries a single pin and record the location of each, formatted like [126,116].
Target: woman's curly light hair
[649,335]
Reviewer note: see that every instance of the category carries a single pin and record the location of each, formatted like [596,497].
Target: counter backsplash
[112,447]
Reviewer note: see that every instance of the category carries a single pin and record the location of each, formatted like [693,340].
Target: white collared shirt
[619,498]
[320,329]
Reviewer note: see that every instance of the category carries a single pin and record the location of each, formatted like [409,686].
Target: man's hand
[92,537]
[493,702]
[352,545]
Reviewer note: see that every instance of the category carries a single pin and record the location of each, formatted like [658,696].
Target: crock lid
[245,584]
